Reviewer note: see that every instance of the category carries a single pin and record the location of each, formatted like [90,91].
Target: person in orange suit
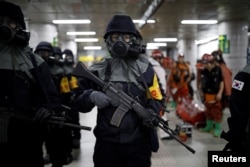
[178,79]
[227,77]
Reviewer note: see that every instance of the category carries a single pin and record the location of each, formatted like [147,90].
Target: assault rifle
[125,103]
[62,122]
[59,120]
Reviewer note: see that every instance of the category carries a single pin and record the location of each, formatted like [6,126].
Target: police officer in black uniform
[132,143]
[68,99]
[238,136]
[58,56]
[28,96]
[46,51]
[59,141]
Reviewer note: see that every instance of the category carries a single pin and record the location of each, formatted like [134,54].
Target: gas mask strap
[108,70]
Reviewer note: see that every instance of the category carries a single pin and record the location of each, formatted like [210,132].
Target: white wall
[207,48]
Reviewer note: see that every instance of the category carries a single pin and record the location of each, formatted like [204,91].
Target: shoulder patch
[237,84]
[155,89]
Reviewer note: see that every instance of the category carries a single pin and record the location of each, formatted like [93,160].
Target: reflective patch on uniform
[155,89]
[73,83]
[237,84]
[64,85]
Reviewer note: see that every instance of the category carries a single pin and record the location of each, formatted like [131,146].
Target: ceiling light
[86,40]
[82,33]
[197,42]
[143,21]
[199,22]
[156,44]
[165,39]
[150,21]
[92,47]
[71,21]
[139,21]
[152,47]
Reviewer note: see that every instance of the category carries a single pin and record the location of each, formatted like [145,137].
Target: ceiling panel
[168,15]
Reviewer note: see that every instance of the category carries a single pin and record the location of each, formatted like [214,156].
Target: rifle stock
[125,102]
[82,72]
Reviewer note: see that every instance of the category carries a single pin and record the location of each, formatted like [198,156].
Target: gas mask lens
[9,22]
[12,23]
[69,58]
[8,28]
[124,45]
[45,54]
[124,37]
[119,44]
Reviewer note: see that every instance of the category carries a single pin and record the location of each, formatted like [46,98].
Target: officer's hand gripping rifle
[62,120]
[125,103]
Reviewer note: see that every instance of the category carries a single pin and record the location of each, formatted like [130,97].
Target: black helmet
[121,23]
[57,51]
[68,52]
[58,55]
[45,50]
[44,46]
[13,11]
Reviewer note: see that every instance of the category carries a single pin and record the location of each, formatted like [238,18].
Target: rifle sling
[121,109]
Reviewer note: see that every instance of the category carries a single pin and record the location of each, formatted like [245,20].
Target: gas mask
[11,32]
[124,46]
[47,56]
[58,60]
[68,60]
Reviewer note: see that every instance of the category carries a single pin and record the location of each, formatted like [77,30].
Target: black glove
[100,99]
[150,122]
[42,114]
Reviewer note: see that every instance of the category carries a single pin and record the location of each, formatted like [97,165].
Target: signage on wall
[224,44]
[55,41]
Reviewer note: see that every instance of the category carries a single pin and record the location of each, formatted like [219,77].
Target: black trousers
[58,144]
[122,155]
[24,146]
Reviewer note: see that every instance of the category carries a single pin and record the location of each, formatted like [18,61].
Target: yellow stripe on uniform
[64,85]
[155,89]
[73,82]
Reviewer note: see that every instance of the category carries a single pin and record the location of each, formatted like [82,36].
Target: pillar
[236,31]
[42,32]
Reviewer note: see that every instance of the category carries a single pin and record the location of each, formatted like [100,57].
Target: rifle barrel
[165,129]
[70,125]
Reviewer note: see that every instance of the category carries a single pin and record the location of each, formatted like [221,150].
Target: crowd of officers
[38,89]
[61,65]
[38,85]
